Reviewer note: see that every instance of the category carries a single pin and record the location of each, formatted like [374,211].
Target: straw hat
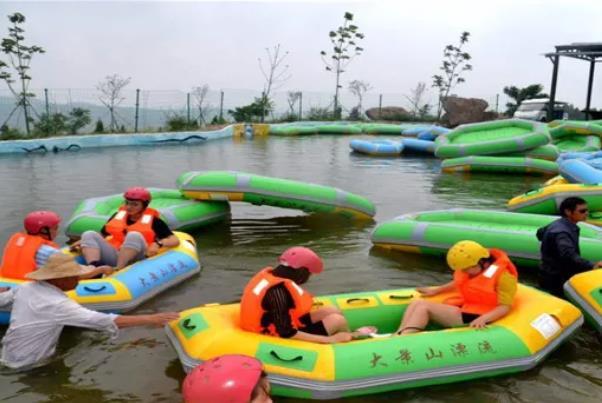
[59,265]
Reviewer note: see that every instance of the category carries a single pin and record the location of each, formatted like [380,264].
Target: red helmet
[138,193]
[228,378]
[37,220]
[298,257]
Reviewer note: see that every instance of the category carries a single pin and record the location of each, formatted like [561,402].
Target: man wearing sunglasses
[560,253]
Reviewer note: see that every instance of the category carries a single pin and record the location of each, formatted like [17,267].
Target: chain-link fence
[149,110]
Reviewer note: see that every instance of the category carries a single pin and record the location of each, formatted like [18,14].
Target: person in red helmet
[228,378]
[274,303]
[131,234]
[26,251]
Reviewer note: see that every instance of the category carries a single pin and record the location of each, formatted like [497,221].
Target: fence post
[188,109]
[497,101]
[137,109]
[380,106]
[300,105]
[46,101]
[221,106]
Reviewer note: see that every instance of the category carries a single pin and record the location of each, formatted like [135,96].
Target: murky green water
[141,366]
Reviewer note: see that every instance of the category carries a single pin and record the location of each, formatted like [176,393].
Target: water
[141,365]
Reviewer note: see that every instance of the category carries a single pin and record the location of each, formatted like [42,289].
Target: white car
[537,109]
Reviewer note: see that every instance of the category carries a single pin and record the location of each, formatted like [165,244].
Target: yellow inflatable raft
[585,291]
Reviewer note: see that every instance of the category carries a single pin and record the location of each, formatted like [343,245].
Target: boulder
[459,111]
[393,113]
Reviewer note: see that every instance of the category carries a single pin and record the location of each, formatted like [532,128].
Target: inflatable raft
[488,138]
[507,165]
[546,152]
[581,167]
[585,291]
[547,199]
[434,232]
[381,128]
[134,285]
[564,128]
[377,148]
[277,130]
[179,212]
[537,324]
[577,143]
[260,190]
[418,146]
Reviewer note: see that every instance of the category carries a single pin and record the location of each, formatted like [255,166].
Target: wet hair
[570,204]
[258,387]
[299,276]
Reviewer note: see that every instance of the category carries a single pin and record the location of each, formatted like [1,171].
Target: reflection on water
[141,366]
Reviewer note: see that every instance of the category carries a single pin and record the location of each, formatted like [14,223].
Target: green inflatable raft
[507,165]
[546,152]
[260,190]
[562,128]
[434,232]
[575,143]
[489,138]
[179,212]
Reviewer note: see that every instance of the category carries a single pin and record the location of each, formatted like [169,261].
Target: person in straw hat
[40,310]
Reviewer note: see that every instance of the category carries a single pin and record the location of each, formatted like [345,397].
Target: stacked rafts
[581,167]
[434,232]
[574,136]
[503,146]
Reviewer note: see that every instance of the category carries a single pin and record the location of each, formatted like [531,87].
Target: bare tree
[417,99]
[292,97]
[275,73]
[359,89]
[200,96]
[110,90]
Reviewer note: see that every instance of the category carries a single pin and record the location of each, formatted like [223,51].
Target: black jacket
[560,253]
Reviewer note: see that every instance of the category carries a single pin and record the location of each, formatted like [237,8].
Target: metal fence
[149,110]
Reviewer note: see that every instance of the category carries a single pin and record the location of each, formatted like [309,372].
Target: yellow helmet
[465,254]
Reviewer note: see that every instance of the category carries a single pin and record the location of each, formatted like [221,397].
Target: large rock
[459,111]
[395,113]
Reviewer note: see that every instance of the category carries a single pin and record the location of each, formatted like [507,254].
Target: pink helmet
[138,193]
[299,256]
[35,221]
[224,379]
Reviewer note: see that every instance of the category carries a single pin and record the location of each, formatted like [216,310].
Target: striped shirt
[43,253]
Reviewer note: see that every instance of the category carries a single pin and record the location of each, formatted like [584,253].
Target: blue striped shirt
[43,253]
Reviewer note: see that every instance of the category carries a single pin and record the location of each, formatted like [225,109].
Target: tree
[253,111]
[455,62]
[19,56]
[275,73]
[200,95]
[420,108]
[55,123]
[100,127]
[78,118]
[359,89]
[110,95]
[292,97]
[344,48]
[520,94]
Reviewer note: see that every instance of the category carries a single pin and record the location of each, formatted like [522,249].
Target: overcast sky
[177,45]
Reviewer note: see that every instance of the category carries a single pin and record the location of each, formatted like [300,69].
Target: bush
[253,112]
[178,123]
[217,120]
[48,125]
[317,113]
[10,133]
[78,118]
[100,127]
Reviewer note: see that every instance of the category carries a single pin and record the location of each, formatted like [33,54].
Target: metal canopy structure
[589,52]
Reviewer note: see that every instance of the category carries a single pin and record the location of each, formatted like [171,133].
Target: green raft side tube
[285,193]
[577,143]
[546,152]
[291,130]
[507,165]
[434,232]
[562,128]
[545,201]
[488,138]
[338,128]
[179,212]
[382,128]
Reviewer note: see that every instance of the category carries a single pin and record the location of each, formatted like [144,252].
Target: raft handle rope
[89,289]
[401,296]
[362,300]
[275,355]
[186,325]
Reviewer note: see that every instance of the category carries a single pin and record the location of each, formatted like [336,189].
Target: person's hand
[152,249]
[598,265]
[75,246]
[3,289]
[428,291]
[478,323]
[161,319]
[106,270]
[342,337]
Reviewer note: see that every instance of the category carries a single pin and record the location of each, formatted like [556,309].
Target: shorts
[468,317]
[308,326]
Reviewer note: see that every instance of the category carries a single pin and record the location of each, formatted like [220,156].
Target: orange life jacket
[478,294]
[118,227]
[20,255]
[251,311]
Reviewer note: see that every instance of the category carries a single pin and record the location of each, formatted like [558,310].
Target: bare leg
[125,256]
[418,316]
[321,313]
[335,323]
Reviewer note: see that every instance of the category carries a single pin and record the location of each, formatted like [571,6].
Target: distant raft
[562,128]
[537,324]
[260,190]
[378,148]
[418,146]
[338,128]
[546,152]
[547,199]
[489,138]
[577,143]
[507,165]
[179,212]
[581,167]
[286,130]
[135,284]
[381,128]
[434,232]
[585,291]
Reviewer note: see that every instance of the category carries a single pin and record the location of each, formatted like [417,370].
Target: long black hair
[299,276]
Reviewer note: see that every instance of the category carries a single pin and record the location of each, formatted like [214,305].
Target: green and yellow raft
[585,291]
[561,128]
[264,190]
[547,199]
[489,138]
[576,143]
[546,152]
[537,324]
[178,211]
[434,232]
[495,164]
